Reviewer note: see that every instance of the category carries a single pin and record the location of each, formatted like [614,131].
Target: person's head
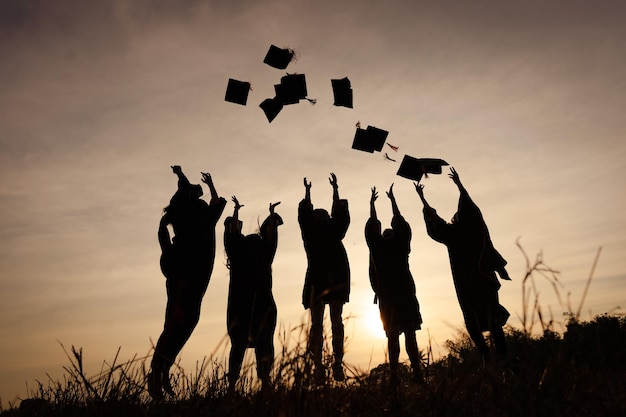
[263,229]
[253,240]
[388,234]
[321,216]
[234,228]
[196,191]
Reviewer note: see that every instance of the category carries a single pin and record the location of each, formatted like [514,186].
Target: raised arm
[333,182]
[206,178]
[468,212]
[182,179]
[420,192]
[372,205]
[269,228]
[232,226]
[373,227]
[394,205]
[457,180]
[340,215]
[236,209]
[307,190]
[273,206]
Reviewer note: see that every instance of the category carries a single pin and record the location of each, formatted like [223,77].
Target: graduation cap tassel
[312,101]
[395,148]
[295,55]
[389,159]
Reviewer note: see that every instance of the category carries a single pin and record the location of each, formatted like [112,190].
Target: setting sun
[371,322]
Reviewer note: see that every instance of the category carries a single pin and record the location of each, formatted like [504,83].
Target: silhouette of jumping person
[474,262]
[251,312]
[187,263]
[393,284]
[327,279]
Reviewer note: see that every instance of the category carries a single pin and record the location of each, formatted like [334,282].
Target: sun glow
[371,322]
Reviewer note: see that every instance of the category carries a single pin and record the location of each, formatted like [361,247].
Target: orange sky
[98,99]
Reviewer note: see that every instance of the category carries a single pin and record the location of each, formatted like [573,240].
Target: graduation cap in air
[278,57]
[271,107]
[292,88]
[370,139]
[342,92]
[414,168]
[237,91]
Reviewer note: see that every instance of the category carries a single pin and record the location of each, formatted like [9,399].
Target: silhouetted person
[187,263]
[327,279]
[474,262]
[251,314]
[393,284]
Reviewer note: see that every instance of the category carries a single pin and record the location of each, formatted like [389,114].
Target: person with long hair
[393,284]
[251,311]
[186,261]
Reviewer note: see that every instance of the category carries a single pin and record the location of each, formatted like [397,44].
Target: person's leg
[182,320]
[265,357]
[316,332]
[162,350]
[238,340]
[498,315]
[497,334]
[475,333]
[155,383]
[410,341]
[336,311]
[393,348]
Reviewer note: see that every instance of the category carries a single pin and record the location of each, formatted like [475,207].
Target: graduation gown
[390,276]
[328,272]
[251,308]
[192,252]
[473,260]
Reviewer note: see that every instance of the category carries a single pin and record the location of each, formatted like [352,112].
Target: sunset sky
[98,99]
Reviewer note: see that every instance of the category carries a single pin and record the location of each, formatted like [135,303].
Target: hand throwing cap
[414,168]
[278,57]
[370,139]
[237,91]
[342,92]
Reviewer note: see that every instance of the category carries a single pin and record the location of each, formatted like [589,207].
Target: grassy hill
[578,373]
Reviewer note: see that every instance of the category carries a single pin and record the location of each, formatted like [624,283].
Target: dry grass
[578,371]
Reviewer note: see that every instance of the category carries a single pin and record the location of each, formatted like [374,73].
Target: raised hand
[307,185]
[419,188]
[455,176]
[333,180]
[237,205]
[374,195]
[390,192]
[177,169]
[273,206]
[206,178]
